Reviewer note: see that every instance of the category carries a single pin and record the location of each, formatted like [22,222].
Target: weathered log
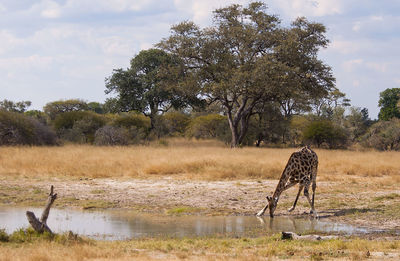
[292,235]
[41,225]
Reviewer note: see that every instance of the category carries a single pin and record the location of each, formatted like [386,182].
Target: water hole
[126,224]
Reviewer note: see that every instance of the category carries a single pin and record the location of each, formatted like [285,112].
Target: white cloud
[51,13]
[7,41]
[350,65]
[378,67]
[33,62]
[201,11]
[295,8]
[45,8]
[356,26]
[356,83]
[2,8]
[51,10]
[377,18]
[344,46]
[108,5]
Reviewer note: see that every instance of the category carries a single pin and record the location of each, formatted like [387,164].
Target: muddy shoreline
[172,196]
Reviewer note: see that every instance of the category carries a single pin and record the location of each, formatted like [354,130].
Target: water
[125,224]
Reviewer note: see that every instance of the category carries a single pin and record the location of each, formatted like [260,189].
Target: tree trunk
[259,140]
[234,131]
[41,225]
[239,122]
[235,138]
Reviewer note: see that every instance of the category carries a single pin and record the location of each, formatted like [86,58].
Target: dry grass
[262,248]
[203,249]
[209,161]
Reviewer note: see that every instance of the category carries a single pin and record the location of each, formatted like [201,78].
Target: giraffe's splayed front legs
[295,201]
[262,211]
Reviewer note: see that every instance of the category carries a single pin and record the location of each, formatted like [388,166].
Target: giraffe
[301,168]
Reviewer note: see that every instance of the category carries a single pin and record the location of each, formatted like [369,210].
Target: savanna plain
[180,177]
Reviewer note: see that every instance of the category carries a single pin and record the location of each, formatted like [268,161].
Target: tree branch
[41,225]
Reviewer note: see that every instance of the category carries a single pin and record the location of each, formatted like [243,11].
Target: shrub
[324,132]
[18,129]
[44,135]
[78,126]
[209,126]
[298,124]
[110,135]
[38,115]
[52,109]
[128,120]
[383,135]
[176,123]
[4,237]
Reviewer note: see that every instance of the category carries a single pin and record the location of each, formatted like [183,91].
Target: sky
[64,49]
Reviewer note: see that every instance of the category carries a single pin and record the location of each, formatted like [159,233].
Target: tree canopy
[52,109]
[246,58]
[388,102]
[11,106]
[150,85]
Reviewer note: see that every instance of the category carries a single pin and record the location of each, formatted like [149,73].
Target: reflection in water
[124,224]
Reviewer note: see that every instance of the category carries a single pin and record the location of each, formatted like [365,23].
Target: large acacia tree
[246,59]
[150,85]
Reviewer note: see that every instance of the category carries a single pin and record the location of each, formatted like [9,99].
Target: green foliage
[267,125]
[96,107]
[128,120]
[136,126]
[29,235]
[18,129]
[38,115]
[150,85]
[298,125]
[78,126]
[15,129]
[357,123]
[4,237]
[325,132]
[176,123]
[388,102]
[11,106]
[52,109]
[208,127]
[383,135]
[111,105]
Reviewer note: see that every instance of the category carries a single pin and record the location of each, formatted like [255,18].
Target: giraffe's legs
[314,186]
[297,197]
[310,202]
[262,211]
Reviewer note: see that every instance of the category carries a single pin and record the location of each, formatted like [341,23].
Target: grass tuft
[183,210]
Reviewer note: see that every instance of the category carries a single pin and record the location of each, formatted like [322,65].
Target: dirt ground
[375,207]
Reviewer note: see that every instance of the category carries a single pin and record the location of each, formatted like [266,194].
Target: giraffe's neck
[281,184]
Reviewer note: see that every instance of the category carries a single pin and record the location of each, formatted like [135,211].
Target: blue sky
[61,49]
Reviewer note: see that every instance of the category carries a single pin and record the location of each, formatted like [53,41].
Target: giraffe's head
[272,202]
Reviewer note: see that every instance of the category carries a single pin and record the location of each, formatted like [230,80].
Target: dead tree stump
[41,225]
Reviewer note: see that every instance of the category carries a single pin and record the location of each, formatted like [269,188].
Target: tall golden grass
[209,161]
